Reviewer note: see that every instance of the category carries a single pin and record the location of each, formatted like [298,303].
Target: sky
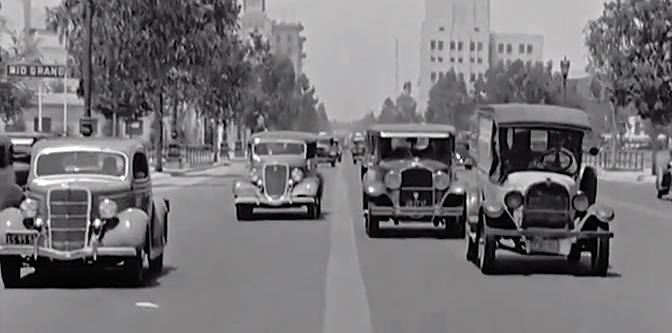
[350,43]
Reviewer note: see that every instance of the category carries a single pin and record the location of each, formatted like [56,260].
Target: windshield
[81,162]
[279,148]
[421,147]
[541,149]
[324,143]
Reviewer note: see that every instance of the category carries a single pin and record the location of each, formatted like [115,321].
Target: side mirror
[593,151]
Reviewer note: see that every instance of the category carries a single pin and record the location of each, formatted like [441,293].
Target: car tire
[600,257]
[244,212]
[487,247]
[315,210]
[454,227]
[10,269]
[574,256]
[471,248]
[662,193]
[156,264]
[134,270]
[333,164]
[372,225]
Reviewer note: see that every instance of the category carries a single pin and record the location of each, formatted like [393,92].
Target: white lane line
[347,305]
[146,305]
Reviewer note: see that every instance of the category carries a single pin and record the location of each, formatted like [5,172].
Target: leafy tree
[15,95]
[322,118]
[445,96]
[388,113]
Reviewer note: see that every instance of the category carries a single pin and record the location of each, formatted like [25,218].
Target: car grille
[416,198]
[275,179]
[546,206]
[417,177]
[69,212]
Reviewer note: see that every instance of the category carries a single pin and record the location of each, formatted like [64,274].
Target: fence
[625,160]
[191,155]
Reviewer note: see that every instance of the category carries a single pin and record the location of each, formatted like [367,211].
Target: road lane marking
[146,305]
[347,305]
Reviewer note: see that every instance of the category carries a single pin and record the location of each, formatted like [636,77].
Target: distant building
[508,48]
[287,41]
[254,19]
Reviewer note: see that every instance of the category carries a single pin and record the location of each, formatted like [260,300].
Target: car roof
[287,135]
[537,114]
[26,135]
[410,130]
[127,146]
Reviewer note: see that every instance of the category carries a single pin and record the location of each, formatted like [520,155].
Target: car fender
[244,188]
[130,230]
[473,205]
[601,212]
[11,195]
[588,183]
[10,219]
[307,187]
[372,186]
[493,207]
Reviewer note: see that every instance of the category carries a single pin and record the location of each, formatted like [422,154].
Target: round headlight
[513,199]
[393,180]
[297,175]
[107,209]
[254,176]
[580,202]
[441,180]
[29,208]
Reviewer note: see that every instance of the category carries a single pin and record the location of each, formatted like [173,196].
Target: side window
[140,166]
[484,143]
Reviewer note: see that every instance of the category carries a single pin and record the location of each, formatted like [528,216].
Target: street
[288,274]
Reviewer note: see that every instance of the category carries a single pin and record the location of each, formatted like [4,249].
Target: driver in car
[557,157]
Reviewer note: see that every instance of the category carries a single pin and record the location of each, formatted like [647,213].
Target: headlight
[29,208]
[297,175]
[580,202]
[441,180]
[513,199]
[393,180]
[107,209]
[254,176]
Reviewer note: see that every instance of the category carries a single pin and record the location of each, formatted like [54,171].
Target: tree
[388,113]
[15,95]
[444,98]
[322,118]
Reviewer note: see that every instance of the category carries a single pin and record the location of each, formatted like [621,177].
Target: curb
[177,173]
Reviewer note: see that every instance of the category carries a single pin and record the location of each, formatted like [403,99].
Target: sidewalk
[181,172]
[626,176]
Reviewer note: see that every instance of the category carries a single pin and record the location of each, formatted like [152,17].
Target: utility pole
[86,123]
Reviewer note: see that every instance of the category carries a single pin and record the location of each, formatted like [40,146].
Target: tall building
[254,19]
[287,40]
[512,47]
[455,35]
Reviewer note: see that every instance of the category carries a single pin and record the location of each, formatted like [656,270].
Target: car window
[140,166]
[279,148]
[81,162]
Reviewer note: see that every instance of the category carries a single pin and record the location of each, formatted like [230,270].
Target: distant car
[282,173]
[23,143]
[663,173]
[462,157]
[328,151]
[533,192]
[411,178]
[11,193]
[358,148]
[89,202]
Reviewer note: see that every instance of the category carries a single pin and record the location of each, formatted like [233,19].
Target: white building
[455,35]
[511,47]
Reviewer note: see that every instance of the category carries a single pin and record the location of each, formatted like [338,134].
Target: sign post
[44,72]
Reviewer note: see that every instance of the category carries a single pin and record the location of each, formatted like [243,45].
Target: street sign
[36,70]
[134,127]
[88,126]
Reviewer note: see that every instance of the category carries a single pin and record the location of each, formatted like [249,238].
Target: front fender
[130,230]
[372,186]
[601,212]
[473,204]
[10,219]
[307,187]
[11,195]
[244,188]
[493,207]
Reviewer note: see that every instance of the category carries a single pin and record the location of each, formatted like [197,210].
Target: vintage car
[11,193]
[409,178]
[328,150]
[358,147]
[282,173]
[663,173]
[23,143]
[461,155]
[88,203]
[533,196]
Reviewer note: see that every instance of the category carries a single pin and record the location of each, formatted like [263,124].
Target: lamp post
[86,123]
[564,70]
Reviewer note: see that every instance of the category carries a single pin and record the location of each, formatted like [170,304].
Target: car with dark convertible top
[408,176]
[88,203]
[533,195]
[282,173]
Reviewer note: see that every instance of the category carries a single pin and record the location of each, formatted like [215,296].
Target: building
[254,19]
[455,35]
[511,47]
[287,41]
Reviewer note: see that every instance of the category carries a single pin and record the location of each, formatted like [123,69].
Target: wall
[501,44]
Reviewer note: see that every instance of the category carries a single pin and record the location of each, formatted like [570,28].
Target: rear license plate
[20,239]
[416,203]
[545,246]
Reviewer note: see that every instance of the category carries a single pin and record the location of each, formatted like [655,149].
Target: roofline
[395,134]
[544,125]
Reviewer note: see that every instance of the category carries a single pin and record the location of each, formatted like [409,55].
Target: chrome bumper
[286,201]
[91,252]
[548,233]
[415,211]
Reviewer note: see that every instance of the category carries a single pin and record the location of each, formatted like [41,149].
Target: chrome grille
[416,198]
[547,196]
[69,212]
[275,179]
[417,177]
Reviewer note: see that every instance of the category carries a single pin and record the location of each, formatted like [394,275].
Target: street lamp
[86,124]
[564,70]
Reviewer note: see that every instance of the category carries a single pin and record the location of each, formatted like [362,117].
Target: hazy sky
[350,43]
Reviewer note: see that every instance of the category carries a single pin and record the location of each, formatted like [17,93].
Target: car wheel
[662,193]
[574,254]
[471,248]
[487,245]
[134,270]
[315,210]
[372,225]
[600,257]
[333,164]
[244,212]
[10,268]
[454,227]
[156,264]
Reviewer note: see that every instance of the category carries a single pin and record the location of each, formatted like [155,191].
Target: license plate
[20,239]
[416,203]
[545,246]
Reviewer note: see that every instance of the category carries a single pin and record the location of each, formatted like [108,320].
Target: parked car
[535,192]
[409,178]
[89,202]
[328,150]
[282,173]
[23,143]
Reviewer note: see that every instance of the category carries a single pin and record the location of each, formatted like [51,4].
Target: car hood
[94,184]
[521,181]
[292,161]
[413,163]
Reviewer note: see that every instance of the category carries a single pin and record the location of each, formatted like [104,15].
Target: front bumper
[414,212]
[283,202]
[548,233]
[326,159]
[90,252]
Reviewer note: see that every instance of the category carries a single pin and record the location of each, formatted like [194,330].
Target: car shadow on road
[90,279]
[544,265]
[407,233]
[291,216]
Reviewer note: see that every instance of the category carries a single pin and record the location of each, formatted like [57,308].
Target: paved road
[294,275]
